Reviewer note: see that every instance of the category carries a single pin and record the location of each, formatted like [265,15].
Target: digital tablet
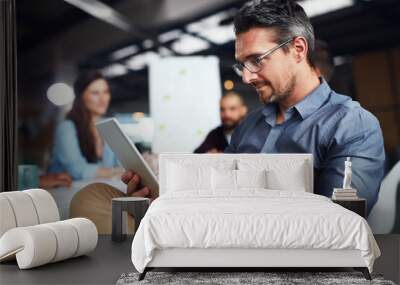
[130,158]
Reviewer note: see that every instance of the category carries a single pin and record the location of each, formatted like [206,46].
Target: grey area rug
[231,278]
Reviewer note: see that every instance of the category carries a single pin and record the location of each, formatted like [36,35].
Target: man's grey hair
[287,17]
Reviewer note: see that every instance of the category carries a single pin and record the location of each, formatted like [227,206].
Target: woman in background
[78,148]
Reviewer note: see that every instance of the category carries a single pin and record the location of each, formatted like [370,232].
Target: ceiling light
[148,44]
[124,52]
[140,61]
[169,36]
[209,22]
[60,94]
[211,29]
[114,70]
[219,35]
[163,51]
[103,12]
[340,60]
[318,7]
[188,44]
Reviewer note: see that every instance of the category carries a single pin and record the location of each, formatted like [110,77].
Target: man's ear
[300,46]
[243,111]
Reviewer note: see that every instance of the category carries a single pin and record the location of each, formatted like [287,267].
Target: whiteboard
[184,101]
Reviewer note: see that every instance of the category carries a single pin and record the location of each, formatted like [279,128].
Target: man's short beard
[228,128]
[279,96]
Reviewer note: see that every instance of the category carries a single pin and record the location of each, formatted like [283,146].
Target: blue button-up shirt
[328,125]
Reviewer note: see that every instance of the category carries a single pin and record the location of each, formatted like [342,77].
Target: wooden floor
[110,260]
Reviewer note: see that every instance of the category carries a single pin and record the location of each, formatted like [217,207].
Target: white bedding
[251,218]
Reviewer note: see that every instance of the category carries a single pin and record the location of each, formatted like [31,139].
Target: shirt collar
[269,111]
[314,100]
[305,107]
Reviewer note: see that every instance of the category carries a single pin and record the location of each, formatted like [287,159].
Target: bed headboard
[238,161]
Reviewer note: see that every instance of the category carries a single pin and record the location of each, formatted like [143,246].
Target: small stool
[136,206]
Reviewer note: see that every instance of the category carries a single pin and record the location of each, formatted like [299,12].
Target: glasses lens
[252,65]
[238,68]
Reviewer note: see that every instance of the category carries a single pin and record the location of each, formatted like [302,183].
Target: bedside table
[358,206]
[136,206]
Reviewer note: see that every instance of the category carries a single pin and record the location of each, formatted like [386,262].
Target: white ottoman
[31,232]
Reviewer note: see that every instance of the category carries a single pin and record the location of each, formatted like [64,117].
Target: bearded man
[300,113]
[232,110]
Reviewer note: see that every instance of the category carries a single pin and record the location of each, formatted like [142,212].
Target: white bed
[209,220]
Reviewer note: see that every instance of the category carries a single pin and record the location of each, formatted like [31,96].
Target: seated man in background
[232,111]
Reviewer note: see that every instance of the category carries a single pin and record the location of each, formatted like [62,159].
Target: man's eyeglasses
[254,64]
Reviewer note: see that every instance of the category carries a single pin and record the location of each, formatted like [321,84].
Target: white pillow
[290,180]
[223,179]
[184,177]
[282,174]
[251,178]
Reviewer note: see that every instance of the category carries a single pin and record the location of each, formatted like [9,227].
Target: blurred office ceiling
[120,36]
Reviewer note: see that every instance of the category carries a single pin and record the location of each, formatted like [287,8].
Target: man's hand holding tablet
[134,187]
[138,172]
